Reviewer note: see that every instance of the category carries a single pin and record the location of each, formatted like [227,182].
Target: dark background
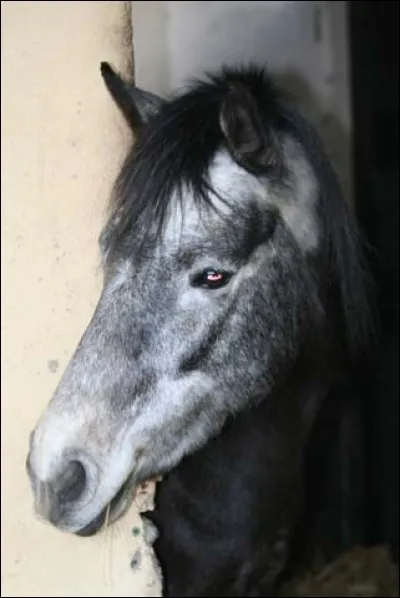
[353,458]
[374,39]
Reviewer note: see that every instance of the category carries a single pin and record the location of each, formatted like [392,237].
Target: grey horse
[234,296]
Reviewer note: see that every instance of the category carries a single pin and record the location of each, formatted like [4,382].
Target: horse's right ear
[249,142]
[136,105]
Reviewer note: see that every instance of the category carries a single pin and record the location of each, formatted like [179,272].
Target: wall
[62,140]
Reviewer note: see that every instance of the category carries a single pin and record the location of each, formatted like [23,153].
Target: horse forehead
[295,197]
[230,180]
[230,186]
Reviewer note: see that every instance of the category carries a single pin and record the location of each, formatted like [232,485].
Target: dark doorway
[374,42]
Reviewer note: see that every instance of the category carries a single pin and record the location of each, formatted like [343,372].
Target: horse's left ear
[251,145]
[137,106]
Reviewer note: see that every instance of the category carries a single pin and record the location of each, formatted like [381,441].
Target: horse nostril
[71,482]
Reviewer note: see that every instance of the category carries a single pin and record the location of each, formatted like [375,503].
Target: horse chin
[112,511]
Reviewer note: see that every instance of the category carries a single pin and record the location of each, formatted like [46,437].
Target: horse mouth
[112,511]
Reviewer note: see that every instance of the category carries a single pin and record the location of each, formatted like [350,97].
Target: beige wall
[62,140]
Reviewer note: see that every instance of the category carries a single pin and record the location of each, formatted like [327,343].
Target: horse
[234,296]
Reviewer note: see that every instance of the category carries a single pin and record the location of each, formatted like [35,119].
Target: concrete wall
[61,141]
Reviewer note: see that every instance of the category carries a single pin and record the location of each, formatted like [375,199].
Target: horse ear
[137,106]
[250,144]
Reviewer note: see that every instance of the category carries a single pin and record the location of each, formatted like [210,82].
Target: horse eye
[211,279]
